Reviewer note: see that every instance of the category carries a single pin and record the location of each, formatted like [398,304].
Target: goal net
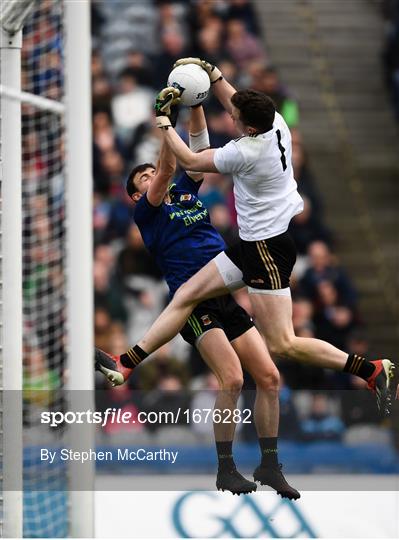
[45,241]
[44,274]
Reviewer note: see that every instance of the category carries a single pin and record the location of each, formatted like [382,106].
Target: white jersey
[265,190]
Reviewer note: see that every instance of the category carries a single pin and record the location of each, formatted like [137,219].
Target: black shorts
[222,312]
[265,264]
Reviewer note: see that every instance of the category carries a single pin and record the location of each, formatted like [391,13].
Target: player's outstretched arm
[198,136]
[165,102]
[202,162]
[164,173]
[222,89]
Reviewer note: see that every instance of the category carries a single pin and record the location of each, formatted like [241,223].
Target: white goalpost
[11,277]
[46,345]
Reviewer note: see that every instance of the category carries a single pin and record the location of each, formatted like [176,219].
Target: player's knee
[233,382]
[269,380]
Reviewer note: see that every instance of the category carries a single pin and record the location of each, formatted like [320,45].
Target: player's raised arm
[165,171]
[222,89]
[198,136]
[201,162]
[166,166]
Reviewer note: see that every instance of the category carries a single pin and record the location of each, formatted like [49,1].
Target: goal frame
[11,232]
[78,194]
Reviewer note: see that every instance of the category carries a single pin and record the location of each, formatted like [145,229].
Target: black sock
[358,365]
[132,358]
[225,455]
[268,448]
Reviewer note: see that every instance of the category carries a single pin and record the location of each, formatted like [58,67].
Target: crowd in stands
[135,46]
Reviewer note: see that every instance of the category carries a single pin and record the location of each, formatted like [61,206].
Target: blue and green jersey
[178,234]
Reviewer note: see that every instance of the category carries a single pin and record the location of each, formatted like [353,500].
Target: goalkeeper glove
[166,107]
[213,72]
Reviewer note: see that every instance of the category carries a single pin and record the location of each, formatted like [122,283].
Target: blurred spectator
[302,313]
[40,383]
[162,364]
[107,151]
[244,11]
[305,228]
[100,85]
[303,176]
[101,211]
[112,172]
[142,68]
[107,289]
[323,267]
[132,104]
[120,218]
[334,321]
[220,218]
[221,128]
[242,46]
[147,144]
[102,328]
[173,48]
[322,424]
[265,79]
[134,259]
[210,41]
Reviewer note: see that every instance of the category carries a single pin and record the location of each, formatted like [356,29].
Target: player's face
[235,115]
[144,179]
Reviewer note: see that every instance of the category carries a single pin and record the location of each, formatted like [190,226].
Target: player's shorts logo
[206,321]
[259,280]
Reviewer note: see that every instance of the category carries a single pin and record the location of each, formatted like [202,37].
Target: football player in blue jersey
[176,229]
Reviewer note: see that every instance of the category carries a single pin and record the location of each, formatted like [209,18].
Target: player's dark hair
[256,109]
[131,187]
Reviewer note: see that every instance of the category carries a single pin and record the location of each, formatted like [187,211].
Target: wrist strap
[219,79]
[163,122]
[199,141]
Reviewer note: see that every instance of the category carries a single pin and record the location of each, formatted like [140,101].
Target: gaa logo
[198,514]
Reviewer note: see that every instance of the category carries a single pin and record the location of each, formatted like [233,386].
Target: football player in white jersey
[266,199]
